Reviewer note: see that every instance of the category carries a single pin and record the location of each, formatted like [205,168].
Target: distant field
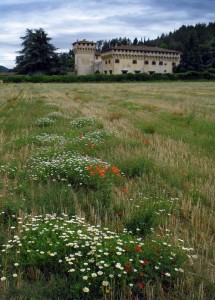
[134,156]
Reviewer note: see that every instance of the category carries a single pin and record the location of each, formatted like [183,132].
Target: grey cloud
[66,21]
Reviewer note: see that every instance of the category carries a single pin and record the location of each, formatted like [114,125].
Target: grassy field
[107,191]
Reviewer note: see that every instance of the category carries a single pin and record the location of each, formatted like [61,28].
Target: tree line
[197,44]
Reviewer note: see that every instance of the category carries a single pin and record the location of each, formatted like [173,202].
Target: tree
[135,41]
[38,54]
[66,62]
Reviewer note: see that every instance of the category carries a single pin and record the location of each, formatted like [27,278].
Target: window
[173,64]
[146,62]
[111,72]
[106,62]
[116,60]
[109,61]
[160,63]
[134,61]
[105,72]
[124,71]
[136,72]
[153,62]
[151,72]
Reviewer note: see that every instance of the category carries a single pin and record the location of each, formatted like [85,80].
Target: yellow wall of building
[87,61]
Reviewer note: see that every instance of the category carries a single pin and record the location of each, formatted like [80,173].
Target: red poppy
[124,190]
[144,262]
[127,267]
[81,137]
[138,249]
[141,285]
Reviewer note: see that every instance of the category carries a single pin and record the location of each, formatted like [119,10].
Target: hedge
[191,75]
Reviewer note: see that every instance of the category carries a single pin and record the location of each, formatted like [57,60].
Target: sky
[65,21]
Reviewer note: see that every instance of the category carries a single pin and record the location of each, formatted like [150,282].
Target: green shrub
[135,166]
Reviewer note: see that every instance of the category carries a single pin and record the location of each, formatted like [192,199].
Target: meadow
[107,190]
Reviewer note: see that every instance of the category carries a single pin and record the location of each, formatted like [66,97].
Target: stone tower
[84,57]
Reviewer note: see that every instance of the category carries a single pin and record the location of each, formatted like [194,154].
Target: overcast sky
[65,21]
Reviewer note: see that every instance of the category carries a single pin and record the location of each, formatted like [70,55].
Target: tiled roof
[140,48]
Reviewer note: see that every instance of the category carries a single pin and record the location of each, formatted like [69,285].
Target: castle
[123,59]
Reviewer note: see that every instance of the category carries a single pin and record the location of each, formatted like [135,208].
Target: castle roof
[83,42]
[141,48]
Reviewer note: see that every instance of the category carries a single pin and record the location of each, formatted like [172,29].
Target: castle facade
[123,59]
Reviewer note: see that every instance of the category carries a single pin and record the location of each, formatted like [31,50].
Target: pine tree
[38,54]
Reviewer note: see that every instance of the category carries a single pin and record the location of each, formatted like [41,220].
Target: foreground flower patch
[95,260]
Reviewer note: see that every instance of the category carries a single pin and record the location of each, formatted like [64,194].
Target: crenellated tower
[84,57]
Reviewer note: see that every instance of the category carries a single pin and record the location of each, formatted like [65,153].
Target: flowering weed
[73,168]
[84,121]
[43,122]
[95,260]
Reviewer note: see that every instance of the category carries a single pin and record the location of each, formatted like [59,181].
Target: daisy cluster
[98,259]
[83,121]
[10,168]
[73,168]
[43,122]
[45,138]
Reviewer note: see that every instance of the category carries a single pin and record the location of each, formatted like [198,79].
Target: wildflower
[127,267]
[71,270]
[14,275]
[124,190]
[100,272]
[105,283]
[3,278]
[138,249]
[144,262]
[86,289]
[118,266]
[141,285]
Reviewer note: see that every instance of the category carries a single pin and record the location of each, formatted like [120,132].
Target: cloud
[66,21]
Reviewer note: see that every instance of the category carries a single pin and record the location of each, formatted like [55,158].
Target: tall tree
[38,54]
